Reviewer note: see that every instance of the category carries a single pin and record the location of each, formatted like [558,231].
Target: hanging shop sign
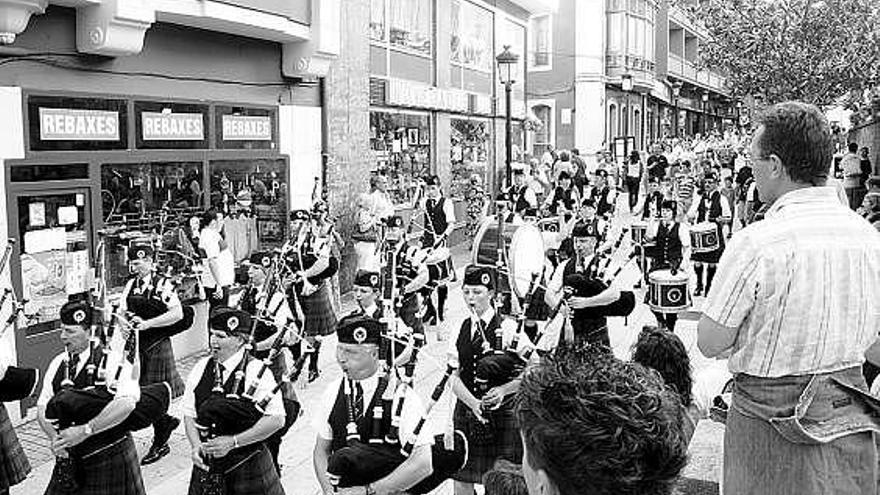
[67,124]
[247,128]
[405,93]
[164,126]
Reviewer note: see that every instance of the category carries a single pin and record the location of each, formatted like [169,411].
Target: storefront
[103,172]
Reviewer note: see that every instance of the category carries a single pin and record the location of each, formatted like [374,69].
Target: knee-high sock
[698,269]
[671,319]
[710,274]
[313,359]
[442,294]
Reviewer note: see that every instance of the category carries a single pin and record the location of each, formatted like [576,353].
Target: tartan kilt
[318,312]
[113,471]
[254,476]
[157,366]
[14,465]
[505,441]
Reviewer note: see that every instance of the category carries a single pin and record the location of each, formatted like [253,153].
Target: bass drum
[523,247]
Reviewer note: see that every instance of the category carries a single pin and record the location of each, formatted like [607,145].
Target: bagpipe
[302,256]
[361,462]
[148,307]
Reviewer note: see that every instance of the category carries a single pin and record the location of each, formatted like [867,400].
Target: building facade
[620,74]
[124,119]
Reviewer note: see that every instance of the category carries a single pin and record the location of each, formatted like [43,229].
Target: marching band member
[153,303]
[439,222]
[227,431]
[519,195]
[311,261]
[103,456]
[710,206]
[651,208]
[673,241]
[373,208]
[564,198]
[366,287]
[586,215]
[14,465]
[485,417]
[273,306]
[352,424]
[604,196]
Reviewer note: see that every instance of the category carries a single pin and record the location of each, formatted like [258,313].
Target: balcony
[641,69]
[688,71]
[688,19]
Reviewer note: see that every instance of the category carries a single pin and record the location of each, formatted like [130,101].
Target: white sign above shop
[405,93]
[247,128]
[68,124]
[163,126]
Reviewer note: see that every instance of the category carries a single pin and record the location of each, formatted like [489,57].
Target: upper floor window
[542,41]
[402,23]
[472,34]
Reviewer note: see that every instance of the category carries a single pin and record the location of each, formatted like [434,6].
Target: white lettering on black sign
[247,128]
[66,124]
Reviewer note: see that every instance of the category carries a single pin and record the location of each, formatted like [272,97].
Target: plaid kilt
[112,471]
[157,366]
[320,319]
[14,465]
[504,442]
[254,476]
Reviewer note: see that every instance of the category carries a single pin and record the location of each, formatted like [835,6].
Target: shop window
[469,154]
[472,33]
[403,23]
[543,136]
[402,146]
[42,173]
[542,42]
[252,194]
[149,202]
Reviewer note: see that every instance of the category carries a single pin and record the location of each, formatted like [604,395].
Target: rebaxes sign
[247,128]
[164,126]
[67,124]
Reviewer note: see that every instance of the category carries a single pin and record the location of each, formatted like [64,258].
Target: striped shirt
[801,289]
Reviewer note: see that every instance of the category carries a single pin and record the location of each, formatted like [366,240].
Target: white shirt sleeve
[531,198]
[684,235]
[452,347]
[46,392]
[210,242]
[321,417]
[123,306]
[188,401]
[264,388]
[413,411]
[725,206]
[449,211]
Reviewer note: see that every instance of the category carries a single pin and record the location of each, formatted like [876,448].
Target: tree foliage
[811,50]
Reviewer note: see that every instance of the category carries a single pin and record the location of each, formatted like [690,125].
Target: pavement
[171,474]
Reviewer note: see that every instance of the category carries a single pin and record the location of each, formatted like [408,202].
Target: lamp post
[626,82]
[739,107]
[705,112]
[676,93]
[506,64]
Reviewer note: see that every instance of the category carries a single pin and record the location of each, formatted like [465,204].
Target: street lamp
[506,65]
[626,82]
[739,107]
[676,93]
[705,112]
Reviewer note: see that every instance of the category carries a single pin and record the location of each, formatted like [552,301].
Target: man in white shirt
[226,431]
[220,275]
[350,454]
[852,173]
[102,456]
[372,209]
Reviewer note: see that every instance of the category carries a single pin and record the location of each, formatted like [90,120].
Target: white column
[299,137]
[590,113]
[11,147]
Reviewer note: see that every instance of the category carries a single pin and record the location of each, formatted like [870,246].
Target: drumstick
[6,254]
[5,296]
[17,309]
[522,318]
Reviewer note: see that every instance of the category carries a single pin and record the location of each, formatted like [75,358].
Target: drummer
[105,464]
[672,244]
[520,196]
[439,223]
[604,196]
[710,206]
[586,215]
[651,208]
[563,198]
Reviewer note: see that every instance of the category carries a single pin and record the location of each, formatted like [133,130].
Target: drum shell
[638,231]
[668,293]
[705,238]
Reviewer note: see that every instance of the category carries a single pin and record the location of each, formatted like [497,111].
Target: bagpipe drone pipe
[149,307]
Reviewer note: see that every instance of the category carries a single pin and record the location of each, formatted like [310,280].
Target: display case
[401,143]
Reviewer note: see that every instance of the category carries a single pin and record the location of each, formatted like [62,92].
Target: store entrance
[53,241]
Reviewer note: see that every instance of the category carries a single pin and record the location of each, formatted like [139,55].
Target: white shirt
[413,410]
[165,291]
[508,330]
[127,386]
[210,241]
[265,387]
[380,205]
[799,288]
[725,205]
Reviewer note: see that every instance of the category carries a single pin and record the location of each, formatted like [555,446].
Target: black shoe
[155,453]
[638,285]
[313,375]
[698,292]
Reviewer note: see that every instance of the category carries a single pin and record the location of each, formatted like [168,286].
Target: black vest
[709,208]
[587,322]
[669,248]
[82,379]
[339,416]
[136,302]
[600,196]
[563,196]
[468,354]
[656,198]
[435,222]
[517,197]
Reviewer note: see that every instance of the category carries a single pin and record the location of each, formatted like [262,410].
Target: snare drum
[668,293]
[638,230]
[704,237]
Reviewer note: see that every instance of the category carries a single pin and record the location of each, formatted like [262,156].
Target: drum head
[526,257]
[666,277]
